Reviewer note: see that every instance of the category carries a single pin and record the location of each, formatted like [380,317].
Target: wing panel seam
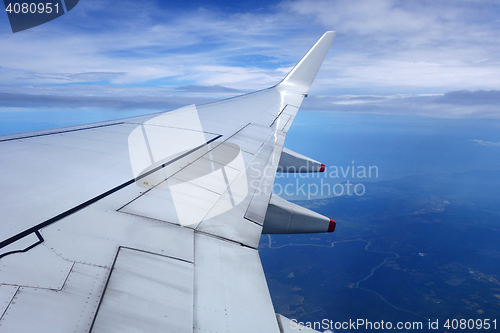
[60,132]
[95,199]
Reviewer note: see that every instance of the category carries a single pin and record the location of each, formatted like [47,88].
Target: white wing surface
[151,224]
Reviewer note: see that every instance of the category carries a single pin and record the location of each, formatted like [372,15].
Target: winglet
[302,75]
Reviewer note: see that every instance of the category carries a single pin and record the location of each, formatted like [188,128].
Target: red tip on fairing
[331,227]
[322,168]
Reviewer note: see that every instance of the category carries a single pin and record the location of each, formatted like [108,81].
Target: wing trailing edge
[302,75]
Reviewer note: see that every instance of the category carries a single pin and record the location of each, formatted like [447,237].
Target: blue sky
[418,58]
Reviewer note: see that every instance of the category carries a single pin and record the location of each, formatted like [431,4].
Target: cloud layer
[487,143]
[454,104]
[418,57]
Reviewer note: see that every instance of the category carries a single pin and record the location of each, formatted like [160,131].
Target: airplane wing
[151,224]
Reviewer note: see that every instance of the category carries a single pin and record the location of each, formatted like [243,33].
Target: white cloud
[144,44]
[487,143]
[455,104]
[445,45]
[387,47]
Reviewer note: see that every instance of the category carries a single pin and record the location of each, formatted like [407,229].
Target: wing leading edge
[152,223]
